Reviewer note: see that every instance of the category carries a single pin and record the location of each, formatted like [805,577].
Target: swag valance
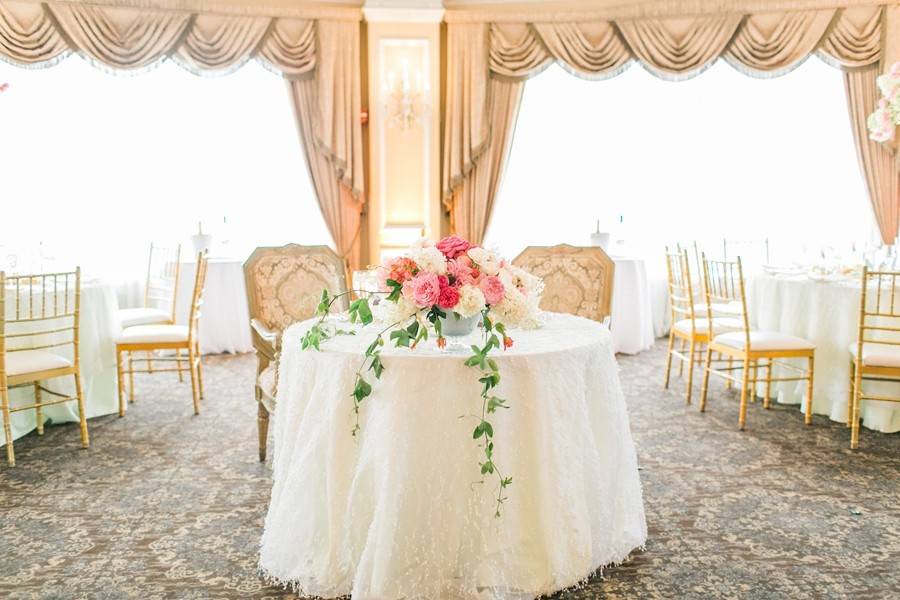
[488,63]
[317,51]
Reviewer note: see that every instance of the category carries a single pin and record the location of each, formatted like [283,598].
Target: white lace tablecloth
[397,513]
[632,311]
[99,329]
[827,313]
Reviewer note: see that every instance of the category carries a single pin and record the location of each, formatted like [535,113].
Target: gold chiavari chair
[177,338]
[724,284]
[691,330]
[160,289]
[577,280]
[877,342]
[284,286]
[42,316]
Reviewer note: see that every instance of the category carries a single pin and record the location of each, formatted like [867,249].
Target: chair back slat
[879,309]
[681,290]
[197,295]
[724,286]
[163,274]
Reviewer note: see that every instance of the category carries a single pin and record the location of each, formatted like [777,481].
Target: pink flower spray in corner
[4,87]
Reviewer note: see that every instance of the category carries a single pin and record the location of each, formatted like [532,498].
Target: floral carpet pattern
[169,505]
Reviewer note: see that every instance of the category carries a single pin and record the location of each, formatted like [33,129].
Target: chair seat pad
[702,325]
[764,340]
[267,382]
[878,355]
[130,317]
[150,334]
[33,361]
[720,308]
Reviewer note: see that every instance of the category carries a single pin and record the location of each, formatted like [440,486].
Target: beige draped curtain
[486,58]
[317,51]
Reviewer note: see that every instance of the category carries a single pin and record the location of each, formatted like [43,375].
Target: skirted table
[402,511]
[225,322]
[98,333]
[632,311]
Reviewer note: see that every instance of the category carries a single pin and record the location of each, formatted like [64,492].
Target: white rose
[429,259]
[471,301]
[391,312]
[487,261]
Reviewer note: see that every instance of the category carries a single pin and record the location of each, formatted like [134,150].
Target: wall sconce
[405,103]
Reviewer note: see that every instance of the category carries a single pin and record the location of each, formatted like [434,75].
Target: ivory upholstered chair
[723,283]
[877,342]
[39,341]
[284,285]
[160,290]
[577,280]
[178,338]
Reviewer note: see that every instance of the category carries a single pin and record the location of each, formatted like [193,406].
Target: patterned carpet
[167,505]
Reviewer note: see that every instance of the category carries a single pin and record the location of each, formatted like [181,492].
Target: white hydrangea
[429,259]
[517,310]
[391,312]
[514,277]
[487,261]
[471,301]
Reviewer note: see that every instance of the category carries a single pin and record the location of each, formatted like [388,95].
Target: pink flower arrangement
[453,246]
[493,289]
[883,121]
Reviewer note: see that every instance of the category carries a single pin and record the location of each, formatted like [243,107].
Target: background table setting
[821,305]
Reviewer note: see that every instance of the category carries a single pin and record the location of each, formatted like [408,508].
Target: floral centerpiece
[440,290]
[886,117]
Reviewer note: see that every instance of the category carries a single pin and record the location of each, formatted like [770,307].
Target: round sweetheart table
[401,510]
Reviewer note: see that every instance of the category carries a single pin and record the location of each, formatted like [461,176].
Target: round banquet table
[632,311]
[225,320]
[99,330]
[397,512]
[827,313]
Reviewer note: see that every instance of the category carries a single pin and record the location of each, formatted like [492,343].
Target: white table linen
[827,313]
[225,320]
[99,329]
[396,512]
[632,311]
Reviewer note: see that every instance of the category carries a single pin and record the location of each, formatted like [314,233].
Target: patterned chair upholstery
[284,286]
[578,281]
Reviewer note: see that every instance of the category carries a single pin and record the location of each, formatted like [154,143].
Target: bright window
[96,166]
[720,155]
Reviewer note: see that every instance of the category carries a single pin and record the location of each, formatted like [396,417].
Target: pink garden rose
[462,270]
[448,298]
[425,288]
[493,290]
[453,245]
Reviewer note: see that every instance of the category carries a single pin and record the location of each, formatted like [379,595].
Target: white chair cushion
[878,355]
[32,361]
[149,334]
[130,317]
[720,308]
[702,325]
[764,340]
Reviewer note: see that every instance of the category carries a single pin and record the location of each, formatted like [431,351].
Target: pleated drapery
[319,56]
[501,47]
[876,161]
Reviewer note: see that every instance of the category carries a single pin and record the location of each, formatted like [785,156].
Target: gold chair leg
[742,417]
[857,393]
[121,379]
[82,415]
[753,380]
[7,427]
[194,389]
[681,348]
[38,409]
[809,391]
[199,370]
[150,361]
[131,377]
[262,421]
[178,365]
[768,393]
[707,368]
[851,393]
[729,383]
[669,358]
[690,377]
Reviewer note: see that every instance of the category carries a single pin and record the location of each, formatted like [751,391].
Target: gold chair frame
[874,319]
[598,267]
[267,330]
[191,345]
[56,321]
[723,280]
[156,288]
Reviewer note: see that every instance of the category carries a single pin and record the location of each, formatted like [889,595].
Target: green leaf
[479,431]
[493,364]
[487,467]
[372,347]
[486,321]
[488,429]
[365,312]
[494,403]
[413,328]
[400,337]
[473,361]
[438,328]
[362,389]
[377,366]
[501,328]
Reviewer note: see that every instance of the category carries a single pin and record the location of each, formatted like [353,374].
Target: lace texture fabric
[401,510]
